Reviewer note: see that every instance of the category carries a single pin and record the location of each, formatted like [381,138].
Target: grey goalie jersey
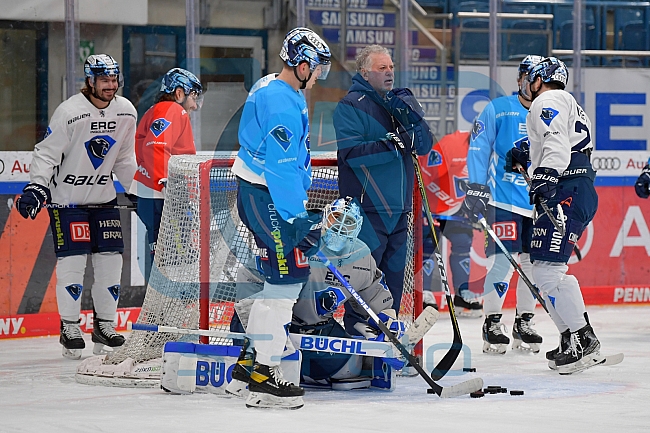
[82,147]
[323,293]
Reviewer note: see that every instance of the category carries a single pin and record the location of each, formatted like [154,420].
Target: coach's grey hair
[363,58]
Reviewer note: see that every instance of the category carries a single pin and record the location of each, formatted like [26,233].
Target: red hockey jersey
[164,130]
[443,170]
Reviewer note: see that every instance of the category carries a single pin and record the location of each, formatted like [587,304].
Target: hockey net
[202,245]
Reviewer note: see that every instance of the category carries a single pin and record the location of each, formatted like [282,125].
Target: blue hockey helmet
[341,224]
[304,45]
[527,64]
[97,65]
[178,77]
[551,70]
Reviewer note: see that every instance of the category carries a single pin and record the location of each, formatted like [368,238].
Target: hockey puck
[503,390]
[516,392]
[490,390]
[494,387]
[477,394]
[469,369]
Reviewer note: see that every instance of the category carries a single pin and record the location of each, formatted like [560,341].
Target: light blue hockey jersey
[500,126]
[274,139]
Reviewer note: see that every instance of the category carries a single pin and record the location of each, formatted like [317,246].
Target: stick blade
[462,388]
[447,361]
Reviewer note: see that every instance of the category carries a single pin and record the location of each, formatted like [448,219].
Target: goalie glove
[389,318]
[31,201]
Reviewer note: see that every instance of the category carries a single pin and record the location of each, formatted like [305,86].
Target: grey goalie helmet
[341,224]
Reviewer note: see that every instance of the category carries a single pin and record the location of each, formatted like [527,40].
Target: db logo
[506,231]
[301,259]
[80,232]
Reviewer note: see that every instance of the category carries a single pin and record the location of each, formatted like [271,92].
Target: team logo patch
[465,264]
[48,131]
[282,136]
[501,288]
[328,300]
[97,148]
[506,230]
[159,125]
[521,142]
[114,291]
[477,129]
[435,159]
[74,290]
[80,232]
[548,114]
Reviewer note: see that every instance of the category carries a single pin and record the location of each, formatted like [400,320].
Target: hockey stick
[445,364]
[512,261]
[90,206]
[558,226]
[443,392]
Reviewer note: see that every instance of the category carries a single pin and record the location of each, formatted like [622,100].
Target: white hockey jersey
[82,147]
[557,127]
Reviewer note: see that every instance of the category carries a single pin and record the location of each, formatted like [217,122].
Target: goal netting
[201,247]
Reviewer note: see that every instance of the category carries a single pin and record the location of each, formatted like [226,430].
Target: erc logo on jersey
[328,300]
[435,159]
[477,129]
[97,148]
[283,136]
[548,114]
[159,125]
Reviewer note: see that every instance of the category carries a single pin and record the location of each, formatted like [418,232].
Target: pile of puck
[494,390]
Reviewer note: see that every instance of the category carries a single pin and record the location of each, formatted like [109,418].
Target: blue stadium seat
[522,44]
[473,6]
[568,60]
[624,62]
[475,45]
[524,8]
[634,36]
[624,16]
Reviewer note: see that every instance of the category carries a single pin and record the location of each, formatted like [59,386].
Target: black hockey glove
[308,231]
[401,141]
[518,155]
[642,184]
[403,105]
[477,197]
[543,184]
[31,201]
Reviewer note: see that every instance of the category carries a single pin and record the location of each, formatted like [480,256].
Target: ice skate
[71,339]
[582,353]
[241,373]
[524,337]
[494,337]
[565,341]
[428,300]
[467,304]
[104,335]
[268,389]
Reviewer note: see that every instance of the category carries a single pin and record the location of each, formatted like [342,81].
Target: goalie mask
[341,224]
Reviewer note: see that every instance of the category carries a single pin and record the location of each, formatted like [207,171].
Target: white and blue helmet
[178,77]
[551,70]
[527,64]
[304,45]
[341,224]
[102,64]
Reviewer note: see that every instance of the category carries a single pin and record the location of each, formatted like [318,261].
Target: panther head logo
[99,147]
[158,125]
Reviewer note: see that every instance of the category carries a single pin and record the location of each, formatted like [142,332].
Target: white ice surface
[38,393]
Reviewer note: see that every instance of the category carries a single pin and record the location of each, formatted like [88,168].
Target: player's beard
[102,98]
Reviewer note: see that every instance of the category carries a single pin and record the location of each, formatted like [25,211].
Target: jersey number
[585,141]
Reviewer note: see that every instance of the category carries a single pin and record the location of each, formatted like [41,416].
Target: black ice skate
[71,339]
[524,337]
[582,353]
[494,337]
[565,342]
[467,304]
[104,335]
[268,389]
[241,373]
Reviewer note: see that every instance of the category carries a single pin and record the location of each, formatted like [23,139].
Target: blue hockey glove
[476,200]
[519,156]
[389,318]
[642,184]
[543,184]
[404,106]
[31,201]
[308,231]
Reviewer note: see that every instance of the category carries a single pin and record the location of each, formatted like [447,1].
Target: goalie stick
[447,361]
[443,392]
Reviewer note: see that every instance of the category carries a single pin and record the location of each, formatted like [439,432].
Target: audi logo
[606,163]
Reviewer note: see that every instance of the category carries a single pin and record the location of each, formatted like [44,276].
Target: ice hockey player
[90,136]
[563,178]
[642,184]
[502,198]
[273,168]
[444,170]
[319,299]
[164,130]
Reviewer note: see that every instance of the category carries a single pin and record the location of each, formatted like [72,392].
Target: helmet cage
[342,222]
